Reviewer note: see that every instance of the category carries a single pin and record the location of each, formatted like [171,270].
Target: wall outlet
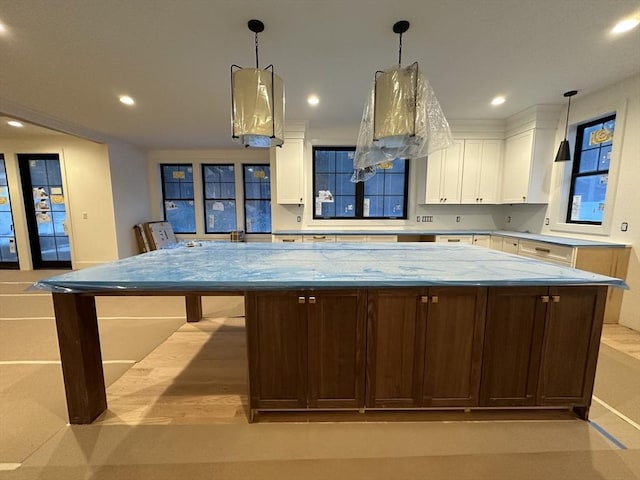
[418,218]
[546,221]
[429,218]
[624,226]
[458,219]
[298,218]
[509,219]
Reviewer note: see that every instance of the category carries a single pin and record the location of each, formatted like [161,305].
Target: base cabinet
[435,347]
[541,346]
[306,349]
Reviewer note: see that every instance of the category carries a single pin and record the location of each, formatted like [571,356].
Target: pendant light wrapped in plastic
[401,119]
[257,98]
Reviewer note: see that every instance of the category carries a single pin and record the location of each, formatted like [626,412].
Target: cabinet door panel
[452,172]
[435,163]
[395,345]
[336,348]
[471,171]
[490,171]
[453,346]
[571,343]
[517,167]
[277,338]
[512,346]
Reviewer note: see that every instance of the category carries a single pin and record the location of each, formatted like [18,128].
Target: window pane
[181,214]
[588,198]
[344,162]
[179,209]
[172,190]
[344,185]
[325,182]
[375,205]
[394,206]
[64,252]
[374,186]
[605,158]
[325,161]
[258,213]
[186,190]
[345,206]
[589,160]
[394,184]
[220,216]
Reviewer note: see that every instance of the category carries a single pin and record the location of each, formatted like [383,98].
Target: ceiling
[67,61]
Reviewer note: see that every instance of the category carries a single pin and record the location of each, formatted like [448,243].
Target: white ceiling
[68,60]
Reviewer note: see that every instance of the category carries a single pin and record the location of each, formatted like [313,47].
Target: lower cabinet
[541,346]
[436,347]
[424,347]
[306,349]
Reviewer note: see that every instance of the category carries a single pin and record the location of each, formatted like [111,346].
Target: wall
[128,167]
[87,186]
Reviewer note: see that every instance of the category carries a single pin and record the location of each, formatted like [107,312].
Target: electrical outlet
[546,221]
[624,227]
[458,219]
[418,218]
[429,218]
[298,218]
[424,218]
[509,219]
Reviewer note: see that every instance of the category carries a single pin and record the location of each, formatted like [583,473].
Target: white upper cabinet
[481,171]
[444,175]
[527,166]
[290,172]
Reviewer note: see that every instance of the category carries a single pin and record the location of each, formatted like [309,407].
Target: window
[591,171]
[177,197]
[384,196]
[219,184]
[257,199]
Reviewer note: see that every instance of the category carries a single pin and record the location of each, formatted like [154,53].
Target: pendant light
[564,153]
[257,102]
[402,118]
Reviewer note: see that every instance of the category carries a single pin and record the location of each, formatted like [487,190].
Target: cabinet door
[289,172]
[517,167]
[489,171]
[512,346]
[336,348]
[571,343]
[435,163]
[453,346]
[276,324]
[452,173]
[395,347]
[471,171]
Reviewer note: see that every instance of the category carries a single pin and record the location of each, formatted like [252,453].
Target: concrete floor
[167,419]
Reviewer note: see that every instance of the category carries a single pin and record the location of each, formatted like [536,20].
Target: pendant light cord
[400,52]
[566,124]
[257,53]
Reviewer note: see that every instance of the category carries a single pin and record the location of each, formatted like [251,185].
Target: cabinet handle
[312,299]
[545,298]
[445,199]
[481,199]
[524,199]
[543,250]
[424,299]
[453,240]
[477,199]
[302,300]
[319,237]
[288,240]
[555,298]
[434,299]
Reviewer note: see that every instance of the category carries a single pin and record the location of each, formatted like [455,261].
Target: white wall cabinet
[290,172]
[527,166]
[481,171]
[444,175]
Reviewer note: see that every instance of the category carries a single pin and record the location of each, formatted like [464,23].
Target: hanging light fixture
[257,102]
[564,153]
[402,117]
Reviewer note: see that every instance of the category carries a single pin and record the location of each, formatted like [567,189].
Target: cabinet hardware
[434,299]
[555,298]
[319,237]
[453,240]
[477,199]
[312,299]
[288,240]
[543,250]
[545,298]
[424,299]
[481,199]
[302,300]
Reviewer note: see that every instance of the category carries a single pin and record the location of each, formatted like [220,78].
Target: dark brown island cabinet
[424,348]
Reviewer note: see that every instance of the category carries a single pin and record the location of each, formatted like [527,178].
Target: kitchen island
[363,326]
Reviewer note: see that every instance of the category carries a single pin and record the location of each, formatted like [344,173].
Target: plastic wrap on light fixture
[401,119]
[257,113]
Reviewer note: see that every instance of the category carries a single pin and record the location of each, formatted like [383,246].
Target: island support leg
[79,342]
[194,307]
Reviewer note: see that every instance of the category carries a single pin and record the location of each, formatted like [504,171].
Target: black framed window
[219,187]
[177,197]
[257,198]
[591,171]
[384,196]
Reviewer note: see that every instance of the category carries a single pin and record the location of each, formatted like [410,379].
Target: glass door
[8,251]
[46,210]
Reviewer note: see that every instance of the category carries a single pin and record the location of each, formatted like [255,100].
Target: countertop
[225,266]
[566,241]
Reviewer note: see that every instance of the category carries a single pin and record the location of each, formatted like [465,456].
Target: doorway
[46,211]
[8,251]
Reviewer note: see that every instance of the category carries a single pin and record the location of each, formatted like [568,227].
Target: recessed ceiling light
[313,100]
[625,25]
[127,100]
[498,101]
[15,123]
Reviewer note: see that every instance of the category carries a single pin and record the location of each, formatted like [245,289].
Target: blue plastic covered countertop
[223,266]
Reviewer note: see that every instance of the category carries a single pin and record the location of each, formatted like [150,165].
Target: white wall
[128,167]
[87,185]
